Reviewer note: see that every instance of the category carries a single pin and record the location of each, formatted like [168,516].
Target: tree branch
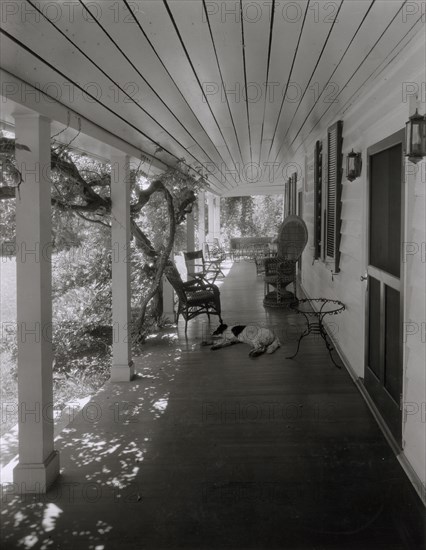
[92,221]
[72,186]
[91,207]
[185,205]
[144,195]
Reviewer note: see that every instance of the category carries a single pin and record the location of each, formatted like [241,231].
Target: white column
[122,369]
[190,240]
[216,219]
[38,464]
[168,299]
[201,219]
[190,232]
[210,214]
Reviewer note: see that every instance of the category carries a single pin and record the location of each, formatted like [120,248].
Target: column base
[37,477]
[170,315]
[122,373]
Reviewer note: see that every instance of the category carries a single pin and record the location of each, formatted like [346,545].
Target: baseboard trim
[402,459]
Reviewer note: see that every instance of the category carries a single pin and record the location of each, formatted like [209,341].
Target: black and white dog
[260,339]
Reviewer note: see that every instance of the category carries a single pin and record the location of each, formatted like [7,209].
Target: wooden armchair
[259,254]
[195,297]
[281,270]
[198,268]
[215,256]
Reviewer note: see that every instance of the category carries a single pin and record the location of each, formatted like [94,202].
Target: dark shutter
[317,198]
[334,193]
[293,187]
[286,199]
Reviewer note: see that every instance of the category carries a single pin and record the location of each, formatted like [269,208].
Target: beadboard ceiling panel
[233,87]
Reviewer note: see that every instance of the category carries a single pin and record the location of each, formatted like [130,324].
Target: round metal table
[315,310]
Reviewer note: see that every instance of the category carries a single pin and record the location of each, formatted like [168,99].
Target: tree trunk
[161,263]
[157,302]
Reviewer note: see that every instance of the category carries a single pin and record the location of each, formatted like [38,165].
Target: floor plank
[212,450]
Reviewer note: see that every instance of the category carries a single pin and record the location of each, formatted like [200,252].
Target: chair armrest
[187,285]
[211,286]
[201,285]
[200,282]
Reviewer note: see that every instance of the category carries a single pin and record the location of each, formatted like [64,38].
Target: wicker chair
[198,268]
[195,297]
[281,270]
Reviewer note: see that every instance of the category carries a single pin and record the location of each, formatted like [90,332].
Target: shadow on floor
[212,450]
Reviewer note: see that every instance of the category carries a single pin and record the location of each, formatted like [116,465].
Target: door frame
[386,143]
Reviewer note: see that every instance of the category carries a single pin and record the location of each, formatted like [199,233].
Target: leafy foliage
[255,216]
[82,255]
[82,258]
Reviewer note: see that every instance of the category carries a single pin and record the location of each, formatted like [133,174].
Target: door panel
[392,374]
[383,368]
[374,325]
[385,210]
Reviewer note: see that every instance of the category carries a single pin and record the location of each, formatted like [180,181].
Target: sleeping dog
[260,339]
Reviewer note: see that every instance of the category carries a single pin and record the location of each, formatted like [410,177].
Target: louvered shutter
[293,187]
[334,193]
[317,198]
[287,199]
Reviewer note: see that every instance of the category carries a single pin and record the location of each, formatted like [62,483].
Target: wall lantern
[415,137]
[353,165]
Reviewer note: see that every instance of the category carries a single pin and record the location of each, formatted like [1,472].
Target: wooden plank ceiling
[187,78]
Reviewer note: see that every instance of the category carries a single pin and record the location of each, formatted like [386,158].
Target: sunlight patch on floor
[170,335]
[29,541]
[123,481]
[50,515]
[161,405]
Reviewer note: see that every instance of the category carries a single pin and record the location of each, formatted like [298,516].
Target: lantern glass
[416,137]
[353,165]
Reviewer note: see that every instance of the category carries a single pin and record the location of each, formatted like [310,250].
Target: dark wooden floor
[212,450]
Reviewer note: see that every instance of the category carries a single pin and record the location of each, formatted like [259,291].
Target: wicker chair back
[292,238]
[174,278]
